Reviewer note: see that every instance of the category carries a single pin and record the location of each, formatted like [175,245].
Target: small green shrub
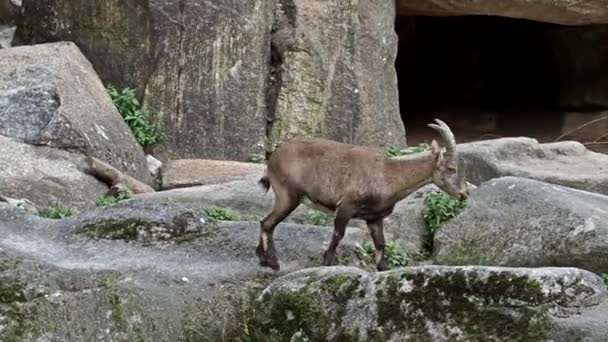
[57,212]
[395,257]
[440,207]
[422,147]
[605,277]
[392,151]
[319,218]
[131,111]
[108,200]
[223,214]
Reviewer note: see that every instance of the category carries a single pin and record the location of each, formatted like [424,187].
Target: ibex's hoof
[329,259]
[382,267]
[271,262]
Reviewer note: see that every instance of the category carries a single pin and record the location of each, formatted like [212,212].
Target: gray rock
[6,36]
[154,166]
[180,277]
[564,12]
[514,221]
[333,72]
[566,163]
[197,64]
[50,95]
[405,227]
[183,173]
[46,176]
[434,303]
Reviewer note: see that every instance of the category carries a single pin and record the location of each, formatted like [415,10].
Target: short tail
[264,182]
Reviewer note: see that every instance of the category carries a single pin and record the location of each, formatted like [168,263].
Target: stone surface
[6,36]
[514,221]
[183,173]
[333,72]
[565,12]
[200,65]
[154,166]
[405,227]
[50,95]
[46,176]
[70,280]
[434,303]
[565,163]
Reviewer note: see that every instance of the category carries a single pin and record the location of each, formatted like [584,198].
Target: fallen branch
[114,178]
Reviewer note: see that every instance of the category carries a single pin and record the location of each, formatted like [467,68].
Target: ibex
[353,182]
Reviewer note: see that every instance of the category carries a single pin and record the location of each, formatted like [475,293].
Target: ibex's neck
[408,175]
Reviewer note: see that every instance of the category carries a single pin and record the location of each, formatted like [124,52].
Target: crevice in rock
[180,67]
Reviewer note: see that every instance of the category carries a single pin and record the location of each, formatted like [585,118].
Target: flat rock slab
[139,270]
[566,163]
[434,303]
[564,12]
[514,221]
[192,172]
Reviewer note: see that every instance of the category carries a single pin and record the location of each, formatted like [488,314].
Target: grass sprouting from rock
[440,207]
[108,200]
[395,257]
[319,218]
[223,214]
[131,111]
[605,277]
[391,151]
[57,212]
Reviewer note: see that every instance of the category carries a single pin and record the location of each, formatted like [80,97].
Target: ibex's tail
[264,182]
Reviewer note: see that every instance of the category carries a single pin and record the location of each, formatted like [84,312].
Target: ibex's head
[446,174]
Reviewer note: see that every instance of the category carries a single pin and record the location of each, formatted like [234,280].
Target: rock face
[434,303]
[215,73]
[564,12]
[133,272]
[333,72]
[192,172]
[46,176]
[202,66]
[565,163]
[521,222]
[50,95]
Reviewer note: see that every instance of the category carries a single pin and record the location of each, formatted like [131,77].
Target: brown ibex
[353,182]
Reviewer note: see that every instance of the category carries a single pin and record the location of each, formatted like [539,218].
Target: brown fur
[352,181]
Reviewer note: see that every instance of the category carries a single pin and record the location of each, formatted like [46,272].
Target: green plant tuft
[108,200]
[440,207]
[392,151]
[223,214]
[131,111]
[395,257]
[605,277]
[57,212]
[319,218]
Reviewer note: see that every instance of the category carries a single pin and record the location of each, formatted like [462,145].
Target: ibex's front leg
[376,230]
[343,214]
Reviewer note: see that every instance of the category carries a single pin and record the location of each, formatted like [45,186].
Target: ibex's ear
[436,151]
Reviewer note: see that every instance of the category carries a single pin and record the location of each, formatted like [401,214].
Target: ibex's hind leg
[376,230]
[284,204]
[343,214]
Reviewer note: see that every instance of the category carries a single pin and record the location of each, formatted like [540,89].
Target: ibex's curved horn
[446,134]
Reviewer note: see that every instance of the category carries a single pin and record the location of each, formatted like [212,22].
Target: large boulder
[566,163]
[201,66]
[564,12]
[182,173]
[139,270]
[46,176]
[514,221]
[434,303]
[333,72]
[50,95]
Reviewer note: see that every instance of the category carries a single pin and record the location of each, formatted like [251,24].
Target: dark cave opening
[491,76]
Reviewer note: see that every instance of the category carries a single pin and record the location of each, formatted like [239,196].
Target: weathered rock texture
[201,65]
[565,12]
[521,222]
[50,95]
[138,271]
[566,163]
[405,227]
[183,173]
[333,72]
[46,176]
[434,303]
[207,74]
